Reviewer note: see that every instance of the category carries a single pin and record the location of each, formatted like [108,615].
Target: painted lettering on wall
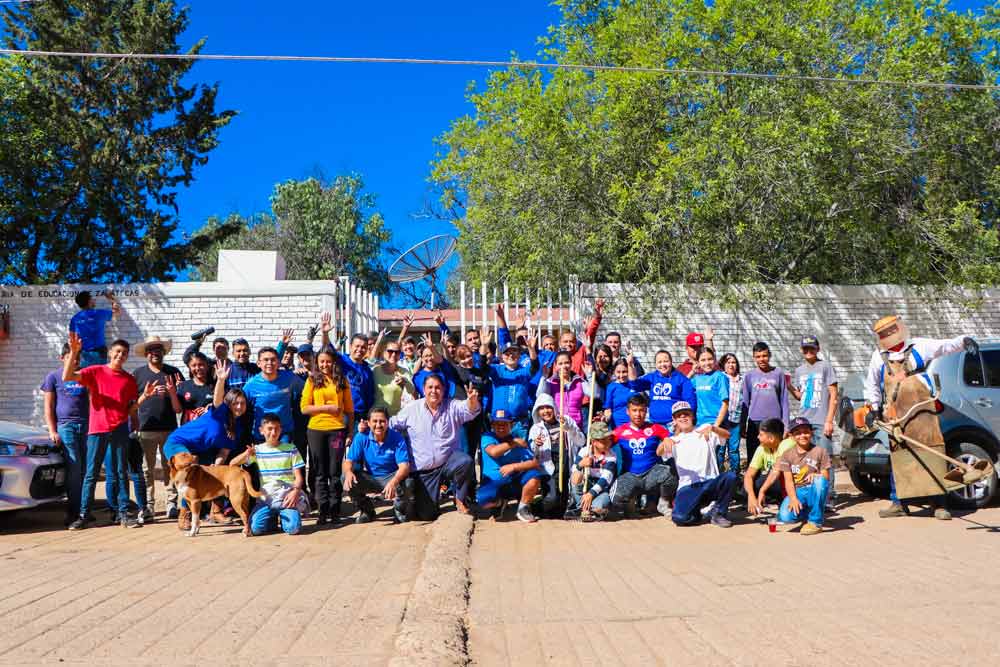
[57,293]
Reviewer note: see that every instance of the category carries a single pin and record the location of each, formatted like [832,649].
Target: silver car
[970,423]
[32,471]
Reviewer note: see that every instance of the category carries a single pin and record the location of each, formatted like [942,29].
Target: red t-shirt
[111,395]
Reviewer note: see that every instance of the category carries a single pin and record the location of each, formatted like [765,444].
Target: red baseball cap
[695,339]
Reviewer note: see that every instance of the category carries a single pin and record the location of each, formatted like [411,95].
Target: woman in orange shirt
[326,400]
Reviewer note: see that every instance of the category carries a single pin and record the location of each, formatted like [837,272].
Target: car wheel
[875,486]
[966,449]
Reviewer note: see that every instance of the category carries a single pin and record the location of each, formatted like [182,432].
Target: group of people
[568,428]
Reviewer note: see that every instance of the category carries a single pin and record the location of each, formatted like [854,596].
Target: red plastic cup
[772,525]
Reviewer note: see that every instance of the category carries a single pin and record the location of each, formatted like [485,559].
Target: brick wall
[840,316]
[40,319]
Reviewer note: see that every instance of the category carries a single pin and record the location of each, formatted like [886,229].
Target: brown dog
[198,484]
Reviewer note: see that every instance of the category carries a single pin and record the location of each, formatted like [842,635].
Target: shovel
[962,473]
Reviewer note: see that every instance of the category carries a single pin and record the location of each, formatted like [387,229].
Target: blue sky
[298,120]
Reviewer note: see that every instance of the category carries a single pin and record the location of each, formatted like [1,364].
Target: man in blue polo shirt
[89,324]
[272,391]
[385,468]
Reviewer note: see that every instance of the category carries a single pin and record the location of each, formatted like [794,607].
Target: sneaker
[942,514]
[721,521]
[892,510]
[128,521]
[663,506]
[524,514]
[400,517]
[809,528]
[146,516]
[365,517]
[707,509]
[172,511]
[79,524]
[631,509]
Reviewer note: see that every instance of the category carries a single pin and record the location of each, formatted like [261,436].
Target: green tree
[651,178]
[322,230]
[93,152]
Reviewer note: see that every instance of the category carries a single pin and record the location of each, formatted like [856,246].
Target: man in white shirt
[699,482]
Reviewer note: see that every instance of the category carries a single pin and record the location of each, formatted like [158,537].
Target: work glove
[971,346]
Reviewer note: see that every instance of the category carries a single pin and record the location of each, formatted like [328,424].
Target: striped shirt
[601,475]
[277,466]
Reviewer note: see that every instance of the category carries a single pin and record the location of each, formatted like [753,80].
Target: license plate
[60,477]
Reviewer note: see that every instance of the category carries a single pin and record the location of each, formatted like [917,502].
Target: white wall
[40,319]
[840,316]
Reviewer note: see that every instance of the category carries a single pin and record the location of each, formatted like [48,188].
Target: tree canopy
[93,152]
[322,230]
[649,178]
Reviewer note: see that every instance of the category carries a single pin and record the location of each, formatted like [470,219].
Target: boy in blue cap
[510,469]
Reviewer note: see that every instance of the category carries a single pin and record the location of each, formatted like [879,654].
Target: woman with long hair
[210,437]
[574,388]
[730,365]
[326,400]
[616,396]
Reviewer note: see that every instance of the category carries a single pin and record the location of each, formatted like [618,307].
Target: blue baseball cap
[799,422]
[305,348]
[502,416]
[809,341]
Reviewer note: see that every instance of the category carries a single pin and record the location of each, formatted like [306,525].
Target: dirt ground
[910,590]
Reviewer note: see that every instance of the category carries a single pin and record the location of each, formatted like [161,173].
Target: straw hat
[140,349]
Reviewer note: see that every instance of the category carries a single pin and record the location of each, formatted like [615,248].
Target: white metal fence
[355,309]
[547,309]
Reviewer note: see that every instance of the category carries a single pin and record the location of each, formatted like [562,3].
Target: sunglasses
[153,349]
[388,351]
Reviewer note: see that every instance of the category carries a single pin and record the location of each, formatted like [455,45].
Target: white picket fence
[547,309]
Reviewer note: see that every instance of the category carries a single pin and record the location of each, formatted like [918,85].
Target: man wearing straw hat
[897,359]
[157,417]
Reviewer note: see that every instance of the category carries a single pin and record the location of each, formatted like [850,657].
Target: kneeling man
[385,461]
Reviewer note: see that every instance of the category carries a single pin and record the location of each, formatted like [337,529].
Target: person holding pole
[547,433]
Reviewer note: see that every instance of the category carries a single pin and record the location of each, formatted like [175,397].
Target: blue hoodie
[664,391]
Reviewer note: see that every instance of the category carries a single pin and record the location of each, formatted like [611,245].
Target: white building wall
[40,321]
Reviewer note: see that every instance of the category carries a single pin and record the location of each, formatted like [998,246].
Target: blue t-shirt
[711,389]
[72,404]
[207,433]
[491,465]
[272,396]
[512,389]
[362,381]
[89,326]
[239,375]
[616,397]
[444,372]
[379,459]
[664,391]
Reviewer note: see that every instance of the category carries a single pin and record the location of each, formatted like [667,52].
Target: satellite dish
[423,261]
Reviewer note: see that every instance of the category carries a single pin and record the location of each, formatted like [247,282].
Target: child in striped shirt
[281,479]
[594,473]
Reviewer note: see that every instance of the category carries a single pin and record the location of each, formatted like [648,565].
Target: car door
[981,387]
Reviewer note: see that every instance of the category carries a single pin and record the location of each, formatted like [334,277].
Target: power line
[503,63]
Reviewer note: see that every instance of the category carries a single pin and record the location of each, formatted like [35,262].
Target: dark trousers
[326,456]
[458,469]
[690,499]
[366,483]
[753,438]
[775,492]
[660,480]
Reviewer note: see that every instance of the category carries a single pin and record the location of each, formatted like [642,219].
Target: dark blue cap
[809,341]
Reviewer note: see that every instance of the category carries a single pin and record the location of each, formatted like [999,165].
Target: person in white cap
[896,345]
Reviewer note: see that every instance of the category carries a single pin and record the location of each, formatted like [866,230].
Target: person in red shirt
[114,397]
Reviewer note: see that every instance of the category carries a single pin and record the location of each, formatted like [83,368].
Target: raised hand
[599,306]
[222,371]
[172,381]
[532,340]
[75,343]
[287,335]
[426,340]
[152,388]
[439,318]
[326,323]
[408,320]
[587,368]
[472,392]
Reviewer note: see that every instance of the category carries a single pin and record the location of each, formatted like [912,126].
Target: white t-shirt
[694,455]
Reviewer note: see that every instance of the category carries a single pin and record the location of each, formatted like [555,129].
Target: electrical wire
[503,63]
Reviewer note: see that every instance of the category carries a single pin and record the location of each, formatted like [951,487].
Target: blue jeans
[264,519]
[813,500]
[690,499]
[115,442]
[733,447]
[133,463]
[827,444]
[602,502]
[74,439]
